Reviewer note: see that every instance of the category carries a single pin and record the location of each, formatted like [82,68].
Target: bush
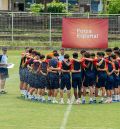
[56,7]
[114,7]
[36,8]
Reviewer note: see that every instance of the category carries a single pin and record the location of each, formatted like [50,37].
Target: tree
[114,7]
[104,5]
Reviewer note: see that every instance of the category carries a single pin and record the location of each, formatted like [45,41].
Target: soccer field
[17,113]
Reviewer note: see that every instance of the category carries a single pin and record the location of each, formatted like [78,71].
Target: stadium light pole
[67,6]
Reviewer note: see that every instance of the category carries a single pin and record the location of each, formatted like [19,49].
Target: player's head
[56,55]
[99,55]
[30,50]
[87,55]
[27,49]
[62,51]
[102,54]
[113,57]
[38,55]
[117,53]
[33,53]
[48,57]
[42,57]
[92,55]
[54,51]
[108,51]
[66,56]
[116,49]
[75,55]
[4,50]
[82,52]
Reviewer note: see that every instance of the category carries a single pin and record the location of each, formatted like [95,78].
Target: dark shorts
[32,80]
[89,79]
[26,76]
[116,81]
[37,81]
[119,79]
[102,78]
[65,81]
[77,81]
[43,81]
[21,74]
[109,82]
[4,73]
[53,81]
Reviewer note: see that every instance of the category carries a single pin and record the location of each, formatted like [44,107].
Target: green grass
[16,113]
[22,43]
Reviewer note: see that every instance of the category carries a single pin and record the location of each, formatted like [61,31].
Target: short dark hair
[66,56]
[34,52]
[75,55]
[30,50]
[42,56]
[92,54]
[102,54]
[82,51]
[54,51]
[117,52]
[116,48]
[113,56]
[56,54]
[108,50]
[99,53]
[48,57]
[87,54]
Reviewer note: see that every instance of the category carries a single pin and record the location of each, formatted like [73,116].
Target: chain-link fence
[45,29]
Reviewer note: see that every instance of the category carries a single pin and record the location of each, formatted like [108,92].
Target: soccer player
[34,77]
[76,77]
[53,70]
[65,79]
[89,78]
[116,78]
[117,53]
[43,77]
[101,75]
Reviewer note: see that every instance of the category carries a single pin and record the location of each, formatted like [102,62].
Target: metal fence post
[88,15]
[12,26]
[50,35]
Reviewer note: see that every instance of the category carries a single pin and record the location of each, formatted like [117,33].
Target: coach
[3,70]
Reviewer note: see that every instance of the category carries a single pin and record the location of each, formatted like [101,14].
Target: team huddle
[58,74]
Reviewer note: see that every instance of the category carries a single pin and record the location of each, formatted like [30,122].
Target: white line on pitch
[66,115]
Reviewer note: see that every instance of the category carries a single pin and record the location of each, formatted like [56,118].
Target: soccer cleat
[90,102]
[3,92]
[94,101]
[114,101]
[49,101]
[78,101]
[107,101]
[100,102]
[83,101]
[61,102]
[69,102]
[54,101]
[43,101]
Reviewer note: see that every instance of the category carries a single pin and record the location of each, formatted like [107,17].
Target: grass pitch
[16,113]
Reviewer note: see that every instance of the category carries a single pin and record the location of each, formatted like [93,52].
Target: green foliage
[36,8]
[56,7]
[53,7]
[114,7]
